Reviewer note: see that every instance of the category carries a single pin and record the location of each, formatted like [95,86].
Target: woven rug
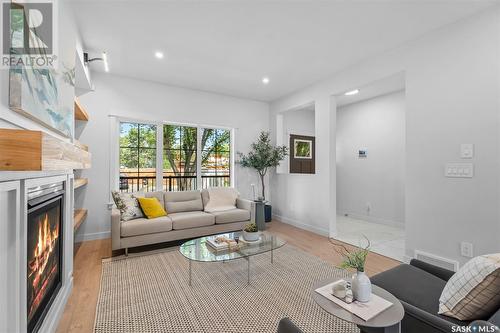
[150,293]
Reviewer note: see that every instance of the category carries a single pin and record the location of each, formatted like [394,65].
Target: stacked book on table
[221,246]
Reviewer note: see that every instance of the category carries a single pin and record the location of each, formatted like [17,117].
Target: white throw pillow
[128,205]
[221,199]
[474,291]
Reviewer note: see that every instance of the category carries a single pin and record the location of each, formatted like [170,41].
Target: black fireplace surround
[44,251]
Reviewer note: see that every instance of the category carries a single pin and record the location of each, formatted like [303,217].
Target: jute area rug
[150,293]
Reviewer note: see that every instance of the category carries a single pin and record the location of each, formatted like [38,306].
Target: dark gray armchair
[418,286]
[286,326]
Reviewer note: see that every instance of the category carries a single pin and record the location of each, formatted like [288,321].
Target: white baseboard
[374,219]
[92,236]
[407,259]
[298,224]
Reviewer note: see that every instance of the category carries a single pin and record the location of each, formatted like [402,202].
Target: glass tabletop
[198,250]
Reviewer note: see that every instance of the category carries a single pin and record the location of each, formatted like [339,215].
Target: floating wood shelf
[79,217]
[23,150]
[80,113]
[79,182]
[80,145]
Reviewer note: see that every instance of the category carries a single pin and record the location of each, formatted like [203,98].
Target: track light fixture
[103,58]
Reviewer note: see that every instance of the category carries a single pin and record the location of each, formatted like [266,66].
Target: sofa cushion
[186,201]
[151,207]
[412,285]
[160,195]
[128,205]
[474,291]
[233,215]
[144,226]
[219,199]
[187,220]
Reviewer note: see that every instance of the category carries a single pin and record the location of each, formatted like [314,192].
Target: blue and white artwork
[38,93]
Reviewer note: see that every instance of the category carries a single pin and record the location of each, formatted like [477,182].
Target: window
[179,158]
[137,157]
[216,157]
[189,157]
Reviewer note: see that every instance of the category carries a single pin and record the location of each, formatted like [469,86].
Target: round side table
[389,319]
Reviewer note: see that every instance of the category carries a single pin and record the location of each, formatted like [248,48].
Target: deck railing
[171,183]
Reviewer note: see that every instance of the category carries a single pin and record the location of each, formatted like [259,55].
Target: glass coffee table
[198,250]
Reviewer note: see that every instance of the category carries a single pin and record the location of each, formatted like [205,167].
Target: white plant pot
[251,236]
[361,287]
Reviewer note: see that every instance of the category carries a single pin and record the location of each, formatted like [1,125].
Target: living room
[220,166]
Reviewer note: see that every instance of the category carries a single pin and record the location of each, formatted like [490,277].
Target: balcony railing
[171,183]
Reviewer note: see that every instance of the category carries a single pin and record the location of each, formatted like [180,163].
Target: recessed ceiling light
[265,80]
[352,92]
[159,55]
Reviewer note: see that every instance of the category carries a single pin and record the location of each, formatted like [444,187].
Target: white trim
[232,158]
[55,312]
[373,219]
[122,119]
[199,136]
[114,155]
[166,122]
[407,259]
[11,260]
[159,157]
[295,223]
[92,236]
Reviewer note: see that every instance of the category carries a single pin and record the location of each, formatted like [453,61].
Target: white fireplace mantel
[13,242]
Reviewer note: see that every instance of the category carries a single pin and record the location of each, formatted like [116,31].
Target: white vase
[361,287]
[251,236]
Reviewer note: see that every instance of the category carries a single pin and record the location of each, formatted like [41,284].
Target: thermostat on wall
[362,153]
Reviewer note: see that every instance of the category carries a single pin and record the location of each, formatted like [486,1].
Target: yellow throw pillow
[152,207]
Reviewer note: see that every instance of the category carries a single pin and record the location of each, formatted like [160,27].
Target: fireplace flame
[44,247]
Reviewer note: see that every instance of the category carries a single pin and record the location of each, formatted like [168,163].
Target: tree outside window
[179,157]
[216,157]
[137,157]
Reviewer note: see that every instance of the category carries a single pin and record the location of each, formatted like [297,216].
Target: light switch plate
[459,170]
[467,150]
[467,249]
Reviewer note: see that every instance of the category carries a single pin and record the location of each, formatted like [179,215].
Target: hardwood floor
[80,310]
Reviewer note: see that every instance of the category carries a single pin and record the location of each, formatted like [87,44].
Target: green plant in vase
[356,259]
[251,232]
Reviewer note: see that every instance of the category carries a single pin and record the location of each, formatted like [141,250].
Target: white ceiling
[228,46]
[380,87]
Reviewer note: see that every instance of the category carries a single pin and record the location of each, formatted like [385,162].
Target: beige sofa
[186,219]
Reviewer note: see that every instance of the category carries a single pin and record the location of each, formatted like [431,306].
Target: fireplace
[44,251]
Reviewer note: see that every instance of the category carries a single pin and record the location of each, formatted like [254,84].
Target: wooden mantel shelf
[80,113]
[23,150]
[79,182]
[79,217]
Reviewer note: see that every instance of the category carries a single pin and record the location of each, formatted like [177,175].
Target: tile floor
[386,240]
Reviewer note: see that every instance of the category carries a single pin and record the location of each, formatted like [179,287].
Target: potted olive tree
[263,156]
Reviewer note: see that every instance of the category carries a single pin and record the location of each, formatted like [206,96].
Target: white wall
[137,99]
[452,97]
[377,181]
